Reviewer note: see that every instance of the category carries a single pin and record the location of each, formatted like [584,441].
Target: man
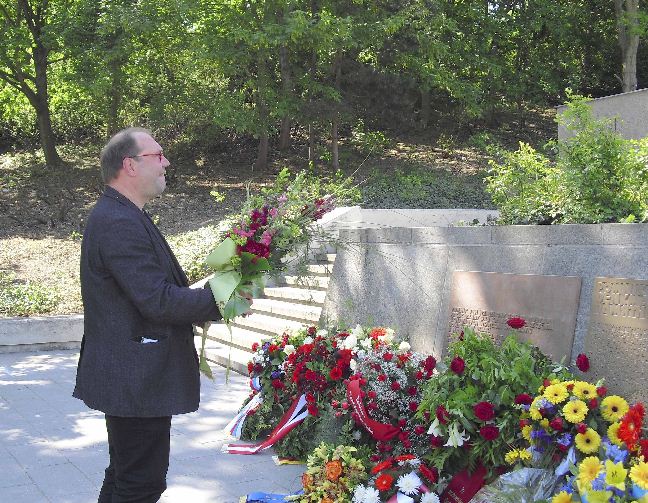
[138,362]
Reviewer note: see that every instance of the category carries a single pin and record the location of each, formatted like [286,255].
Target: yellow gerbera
[557,393]
[544,423]
[588,470]
[512,456]
[615,474]
[588,442]
[526,433]
[613,408]
[639,475]
[612,433]
[533,409]
[524,455]
[562,497]
[575,411]
[584,390]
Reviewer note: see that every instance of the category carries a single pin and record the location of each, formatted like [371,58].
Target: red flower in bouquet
[431,474]
[523,399]
[384,482]
[335,374]
[516,323]
[457,365]
[442,414]
[489,432]
[436,442]
[582,362]
[388,463]
[601,391]
[630,429]
[556,423]
[484,411]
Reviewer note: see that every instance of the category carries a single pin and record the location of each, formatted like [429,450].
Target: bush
[596,176]
[25,299]
[421,188]
[191,248]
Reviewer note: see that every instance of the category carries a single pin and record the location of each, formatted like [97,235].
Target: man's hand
[247,296]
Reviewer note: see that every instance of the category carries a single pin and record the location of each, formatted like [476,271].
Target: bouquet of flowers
[391,378]
[612,467]
[472,402]
[270,227]
[400,478]
[332,474]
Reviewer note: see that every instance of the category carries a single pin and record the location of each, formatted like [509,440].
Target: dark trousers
[139,459]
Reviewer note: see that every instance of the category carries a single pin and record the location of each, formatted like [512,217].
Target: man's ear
[128,166]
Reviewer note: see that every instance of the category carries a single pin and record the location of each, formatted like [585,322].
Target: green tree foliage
[596,176]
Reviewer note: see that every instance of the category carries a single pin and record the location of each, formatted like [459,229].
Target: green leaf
[224,284]
[221,258]
[236,306]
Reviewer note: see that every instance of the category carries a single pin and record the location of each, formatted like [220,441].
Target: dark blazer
[133,287]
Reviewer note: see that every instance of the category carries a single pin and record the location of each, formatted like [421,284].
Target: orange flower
[333,470]
[377,332]
[307,480]
[326,499]
[384,482]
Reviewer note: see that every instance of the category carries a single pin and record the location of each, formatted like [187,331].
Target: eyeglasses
[159,155]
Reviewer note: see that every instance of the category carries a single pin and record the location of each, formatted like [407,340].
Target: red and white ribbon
[293,416]
[379,431]
[399,497]
[235,426]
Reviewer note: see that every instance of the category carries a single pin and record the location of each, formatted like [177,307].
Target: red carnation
[516,323]
[312,330]
[312,410]
[411,391]
[484,411]
[523,399]
[582,362]
[419,375]
[382,377]
[384,482]
[489,432]
[431,474]
[643,448]
[413,406]
[436,441]
[402,423]
[581,428]
[556,423]
[419,430]
[429,364]
[457,365]
[372,394]
[524,422]
[278,384]
[601,391]
[442,414]
[395,386]
[255,346]
[593,403]
[388,357]
[250,367]
[335,374]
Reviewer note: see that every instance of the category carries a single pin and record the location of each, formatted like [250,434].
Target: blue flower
[615,453]
[566,439]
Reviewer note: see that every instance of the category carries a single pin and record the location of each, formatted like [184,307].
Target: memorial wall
[581,288]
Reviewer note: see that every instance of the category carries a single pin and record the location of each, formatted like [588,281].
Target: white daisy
[308,340]
[404,347]
[359,493]
[430,498]
[371,495]
[322,332]
[289,349]
[409,484]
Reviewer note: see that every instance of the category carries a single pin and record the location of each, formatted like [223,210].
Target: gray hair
[121,145]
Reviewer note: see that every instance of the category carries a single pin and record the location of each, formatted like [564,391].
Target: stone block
[547,234]
[40,330]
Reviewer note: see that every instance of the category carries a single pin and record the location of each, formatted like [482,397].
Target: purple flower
[566,439]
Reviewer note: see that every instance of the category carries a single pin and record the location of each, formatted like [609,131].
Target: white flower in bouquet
[430,498]
[364,494]
[388,337]
[456,439]
[409,484]
[366,343]
[404,347]
[350,342]
[322,332]
[435,428]
[308,340]
[289,349]
[353,365]
[358,331]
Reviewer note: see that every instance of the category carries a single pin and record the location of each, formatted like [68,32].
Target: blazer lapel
[177,271]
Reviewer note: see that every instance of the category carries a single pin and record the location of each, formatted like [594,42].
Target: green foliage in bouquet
[332,474]
[472,400]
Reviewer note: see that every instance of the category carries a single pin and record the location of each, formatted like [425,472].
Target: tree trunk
[335,152]
[627,14]
[286,85]
[261,162]
[312,160]
[425,108]
[41,105]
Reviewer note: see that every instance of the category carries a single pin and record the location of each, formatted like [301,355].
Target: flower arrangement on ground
[472,402]
[390,382]
[399,478]
[271,226]
[617,469]
[332,474]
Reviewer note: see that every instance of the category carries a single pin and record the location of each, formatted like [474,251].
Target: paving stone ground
[54,449]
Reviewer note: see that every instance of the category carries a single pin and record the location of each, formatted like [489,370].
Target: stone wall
[401,277]
[628,111]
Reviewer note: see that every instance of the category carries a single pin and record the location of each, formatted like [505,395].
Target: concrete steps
[294,302]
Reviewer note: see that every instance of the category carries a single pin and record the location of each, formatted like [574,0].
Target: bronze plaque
[484,301]
[617,338]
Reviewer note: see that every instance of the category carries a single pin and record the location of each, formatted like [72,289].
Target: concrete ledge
[40,333]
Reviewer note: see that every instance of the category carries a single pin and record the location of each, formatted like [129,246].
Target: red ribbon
[379,431]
